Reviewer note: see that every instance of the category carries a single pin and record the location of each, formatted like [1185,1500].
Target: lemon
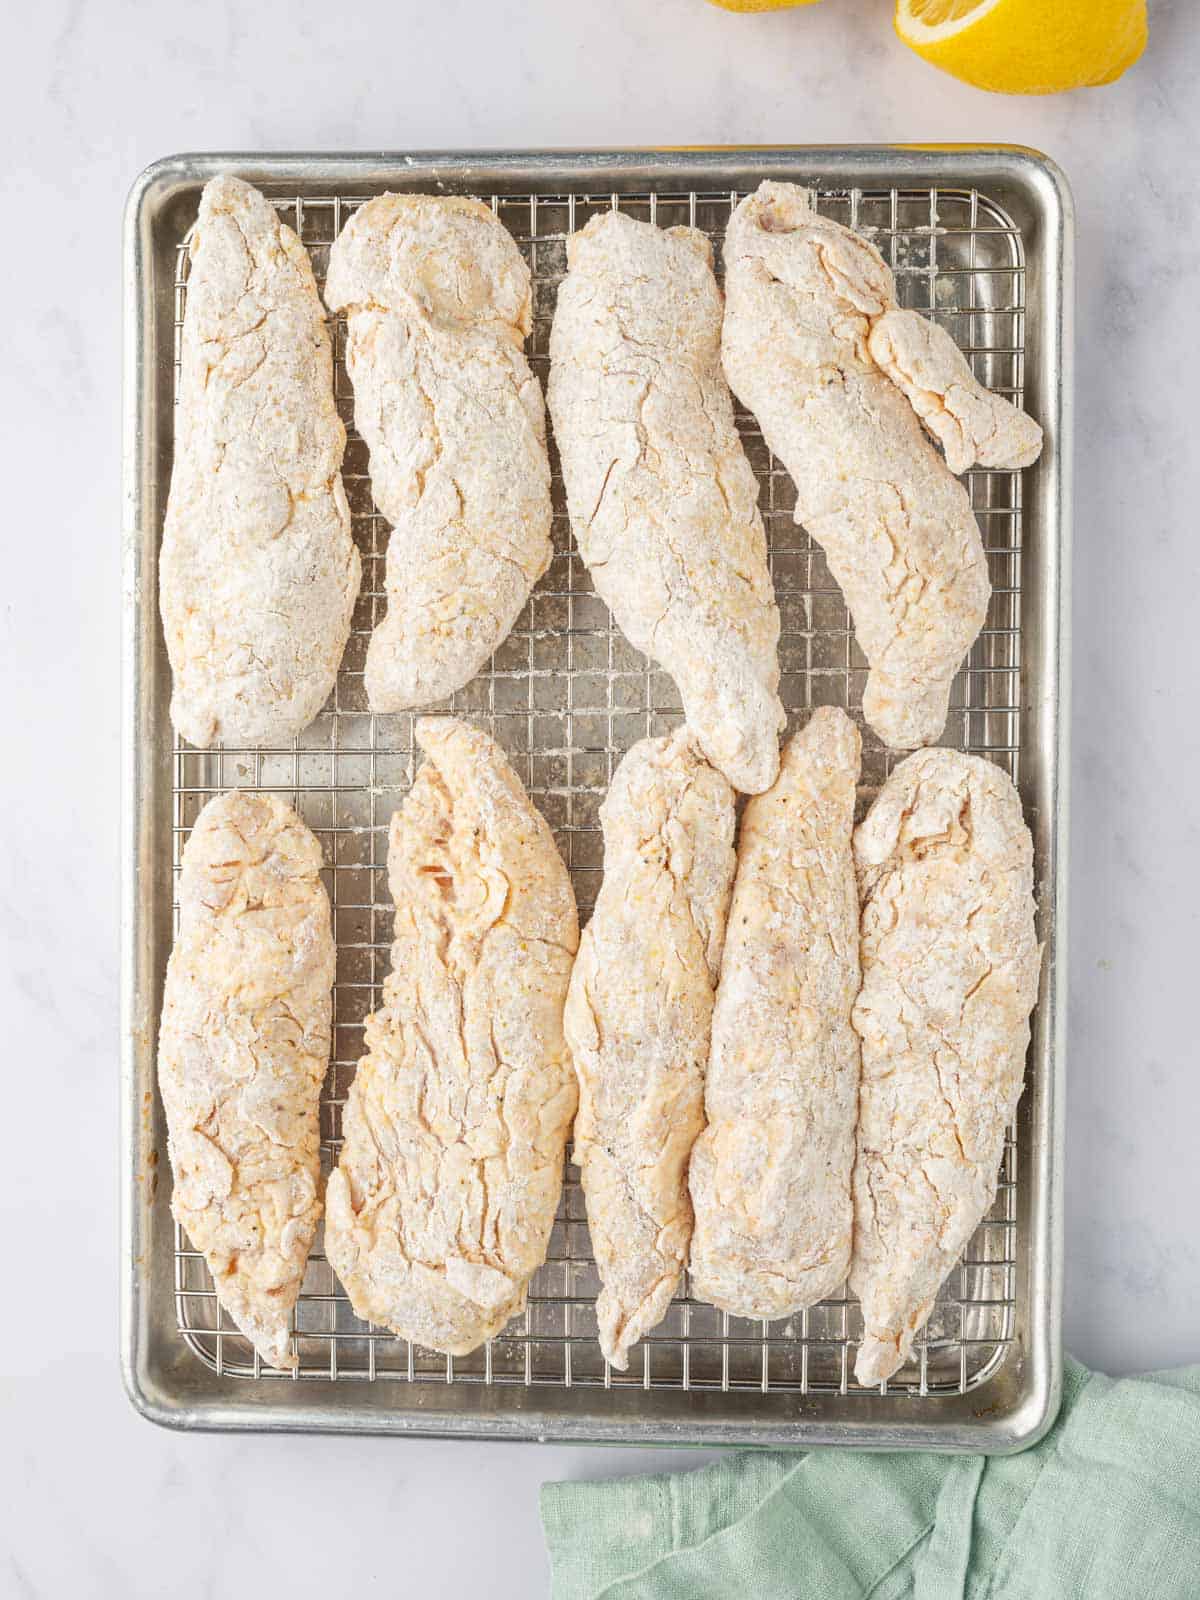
[759,5]
[1026,46]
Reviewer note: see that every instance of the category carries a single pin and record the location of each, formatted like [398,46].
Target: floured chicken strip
[974,426]
[242,1053]
[663,503]
[639,1011]
[804,296]
[258,574]
[441,1206]
[438,303]
[770,1174]
[950,965]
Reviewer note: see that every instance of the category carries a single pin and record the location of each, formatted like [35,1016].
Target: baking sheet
[566,696]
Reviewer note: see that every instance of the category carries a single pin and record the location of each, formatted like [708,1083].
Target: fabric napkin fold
[1105,1507]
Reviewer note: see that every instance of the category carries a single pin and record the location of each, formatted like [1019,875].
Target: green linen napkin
[1105,1507]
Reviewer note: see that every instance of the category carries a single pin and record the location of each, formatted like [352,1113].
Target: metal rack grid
[566,696]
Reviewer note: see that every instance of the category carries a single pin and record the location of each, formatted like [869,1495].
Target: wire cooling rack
[566,696]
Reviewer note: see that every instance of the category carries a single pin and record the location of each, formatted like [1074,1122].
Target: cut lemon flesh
[936,16]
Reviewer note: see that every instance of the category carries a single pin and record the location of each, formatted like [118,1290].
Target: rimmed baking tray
[981,239]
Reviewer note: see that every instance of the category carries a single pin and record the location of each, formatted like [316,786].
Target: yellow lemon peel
[1026,46]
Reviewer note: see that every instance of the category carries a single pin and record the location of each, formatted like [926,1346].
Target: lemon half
[1026,46]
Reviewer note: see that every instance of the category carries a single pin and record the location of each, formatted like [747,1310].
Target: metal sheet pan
[982,239]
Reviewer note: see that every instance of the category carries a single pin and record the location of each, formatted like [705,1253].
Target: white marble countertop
[94,1501]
